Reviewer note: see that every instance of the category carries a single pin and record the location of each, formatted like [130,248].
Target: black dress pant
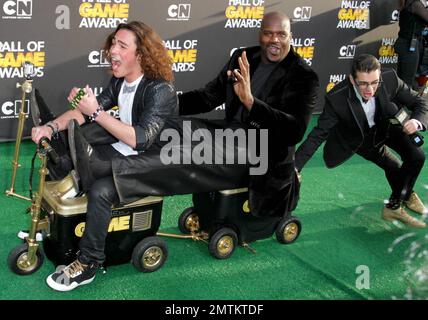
[401,174]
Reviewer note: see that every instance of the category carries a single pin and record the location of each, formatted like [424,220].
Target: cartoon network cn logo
[98,59]
[179,12]
[18,9]
[347,52]
[394,16]
[302,14]
[11,109]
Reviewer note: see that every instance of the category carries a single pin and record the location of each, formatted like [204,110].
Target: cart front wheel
[19,262]
[149,254]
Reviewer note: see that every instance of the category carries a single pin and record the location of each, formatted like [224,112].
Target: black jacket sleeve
[205,99]
[160,103]
[410,98]
[326,121]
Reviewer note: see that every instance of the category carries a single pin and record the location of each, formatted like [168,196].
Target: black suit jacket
[343,122]
[284,108]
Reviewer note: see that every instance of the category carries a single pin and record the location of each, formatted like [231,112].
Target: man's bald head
[275,37]
[276,16]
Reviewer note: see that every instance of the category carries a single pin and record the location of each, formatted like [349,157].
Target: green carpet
[342,230]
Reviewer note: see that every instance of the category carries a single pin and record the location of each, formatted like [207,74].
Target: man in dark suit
[273,89]
[357,119]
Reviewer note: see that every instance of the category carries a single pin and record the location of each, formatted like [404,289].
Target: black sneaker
[22,234]
[66,278]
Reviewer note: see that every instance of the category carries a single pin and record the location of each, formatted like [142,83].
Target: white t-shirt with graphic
[125,102]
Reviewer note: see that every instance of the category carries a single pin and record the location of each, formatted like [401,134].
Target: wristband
[54,127]
[96,113]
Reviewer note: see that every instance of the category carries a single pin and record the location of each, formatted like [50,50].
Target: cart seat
[60,197]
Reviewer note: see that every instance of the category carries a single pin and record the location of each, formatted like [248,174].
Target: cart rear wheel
[149,254]
[188,221]
[288,230]
[18,260]
[222,243]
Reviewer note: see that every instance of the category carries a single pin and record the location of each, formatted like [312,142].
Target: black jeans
[101,197]
[401,175]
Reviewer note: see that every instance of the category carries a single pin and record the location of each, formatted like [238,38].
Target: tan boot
[415,204]
[401,215]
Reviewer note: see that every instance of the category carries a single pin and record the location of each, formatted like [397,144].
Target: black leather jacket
[155,101]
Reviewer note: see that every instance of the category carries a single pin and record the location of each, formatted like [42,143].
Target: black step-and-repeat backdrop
[62,38]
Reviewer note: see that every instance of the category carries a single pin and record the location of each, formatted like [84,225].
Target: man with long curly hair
[141,88]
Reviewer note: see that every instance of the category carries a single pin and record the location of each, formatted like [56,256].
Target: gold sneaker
[415,204]
[401,215]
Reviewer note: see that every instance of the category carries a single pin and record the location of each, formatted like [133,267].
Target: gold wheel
[149,254]
[291,231]
[20,264]
[288,230]
[192,222]
[152,257]
[188,221]
[24,264]
[225,245]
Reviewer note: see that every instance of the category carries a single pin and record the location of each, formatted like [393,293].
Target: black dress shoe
[81,153]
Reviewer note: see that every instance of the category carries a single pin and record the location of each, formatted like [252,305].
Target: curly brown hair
[155,61]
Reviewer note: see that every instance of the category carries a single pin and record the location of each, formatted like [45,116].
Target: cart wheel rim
[291,231]
[225,245]
[192,222]
[152,257]
[24,264]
